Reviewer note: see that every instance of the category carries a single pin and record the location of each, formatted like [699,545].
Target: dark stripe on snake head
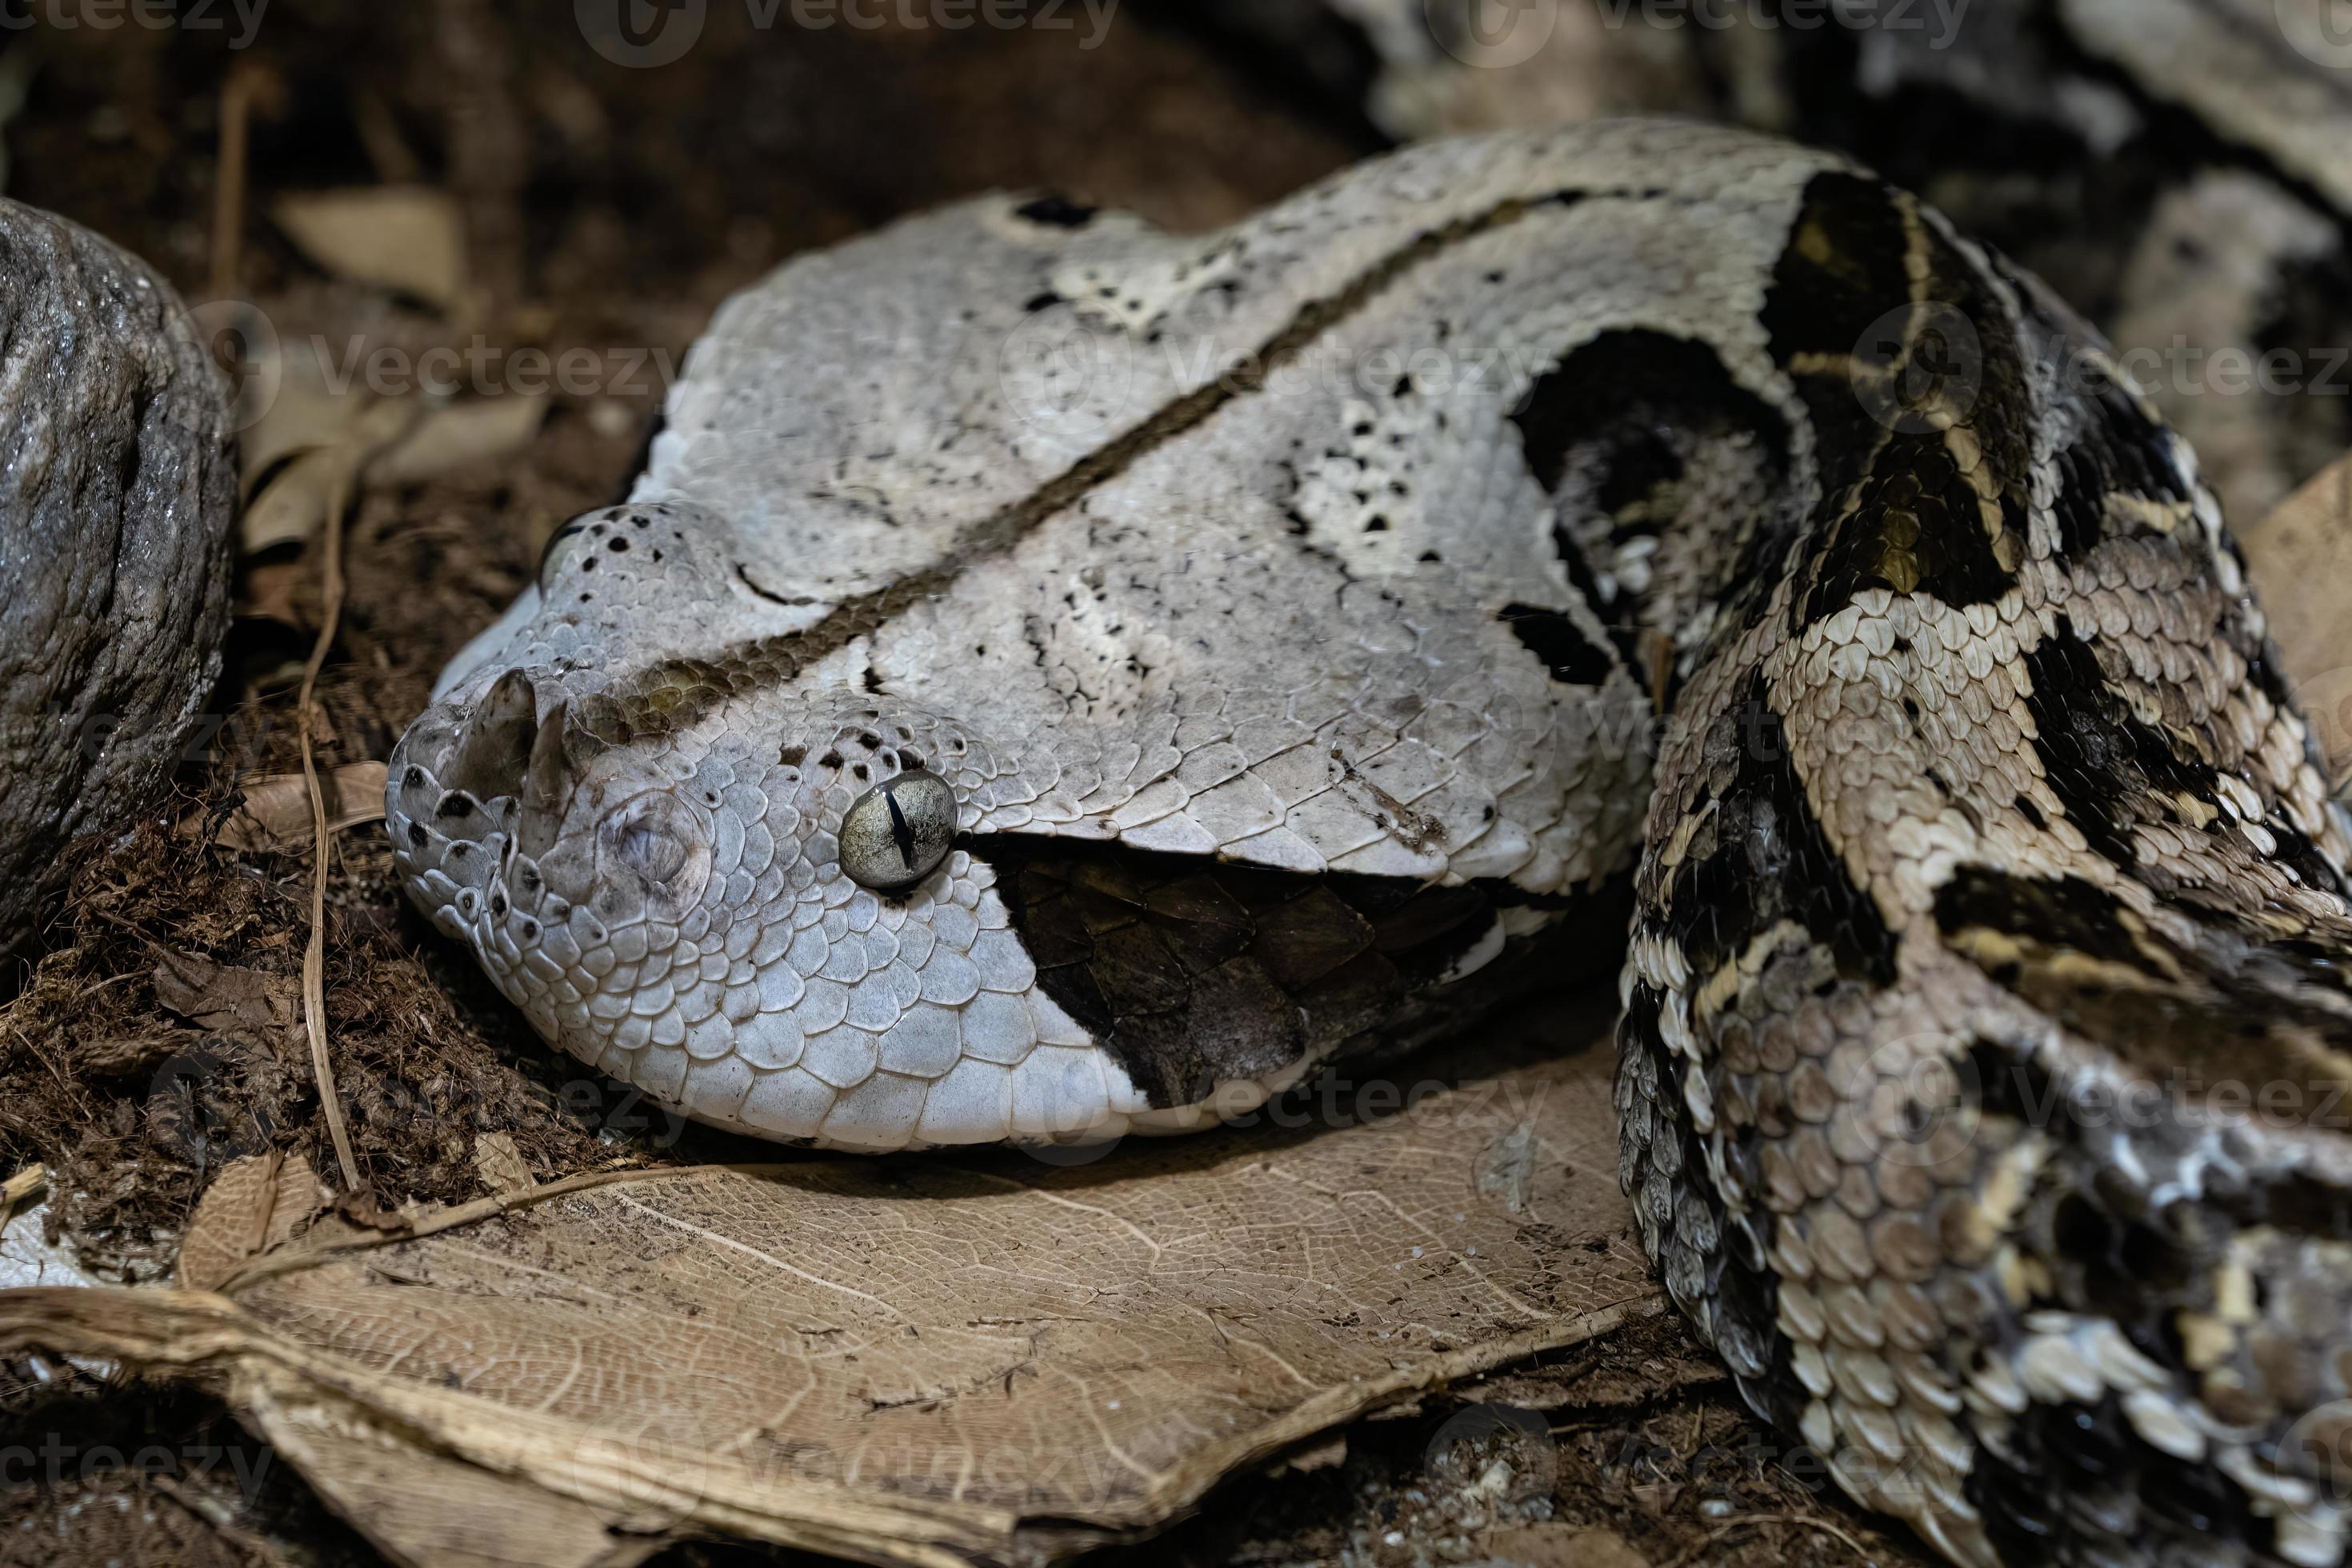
[766,662]
[1844,269]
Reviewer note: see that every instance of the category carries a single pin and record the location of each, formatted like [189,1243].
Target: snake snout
[474,798]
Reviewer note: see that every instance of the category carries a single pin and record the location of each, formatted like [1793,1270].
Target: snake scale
[1056,678]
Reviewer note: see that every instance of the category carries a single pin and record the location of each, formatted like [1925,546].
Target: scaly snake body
[1284,612]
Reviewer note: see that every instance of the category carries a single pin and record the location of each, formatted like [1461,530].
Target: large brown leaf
[921,1361]
[2300,558]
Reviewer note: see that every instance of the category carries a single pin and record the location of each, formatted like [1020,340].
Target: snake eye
[895,833]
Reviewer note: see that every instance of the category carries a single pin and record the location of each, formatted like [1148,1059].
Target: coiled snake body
[1055,678]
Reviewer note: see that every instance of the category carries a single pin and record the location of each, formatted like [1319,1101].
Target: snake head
[774,911]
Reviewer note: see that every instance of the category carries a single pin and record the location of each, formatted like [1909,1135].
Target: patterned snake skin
[1305,622]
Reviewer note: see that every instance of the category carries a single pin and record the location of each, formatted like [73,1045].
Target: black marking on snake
[2075,1483]
[2063,914]
[1191,971]
[1620,388]
[2236,1008]
[1762,858]
[1842,272]
[1057,211]
[1609,405]
[1553,638]
[1912,525]
[1842,269]
[2143,1245]
[2119,452]
[1896,510]
[2099,760]
[2001,410]
[572,530]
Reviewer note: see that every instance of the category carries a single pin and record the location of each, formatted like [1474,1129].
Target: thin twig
[377,434]
[314,954]
[229,180]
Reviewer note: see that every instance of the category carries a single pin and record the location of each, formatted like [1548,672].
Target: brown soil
[148,1034]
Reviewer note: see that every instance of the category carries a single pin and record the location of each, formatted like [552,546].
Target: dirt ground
[142,1038]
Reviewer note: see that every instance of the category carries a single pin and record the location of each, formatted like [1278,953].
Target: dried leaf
[409,239]
[254,1207]
[275,811]
[463,433]
[222,997]
[2300,558]
[294,503]
[927,1361]
[310,404]
[500,1163]
[417,442]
